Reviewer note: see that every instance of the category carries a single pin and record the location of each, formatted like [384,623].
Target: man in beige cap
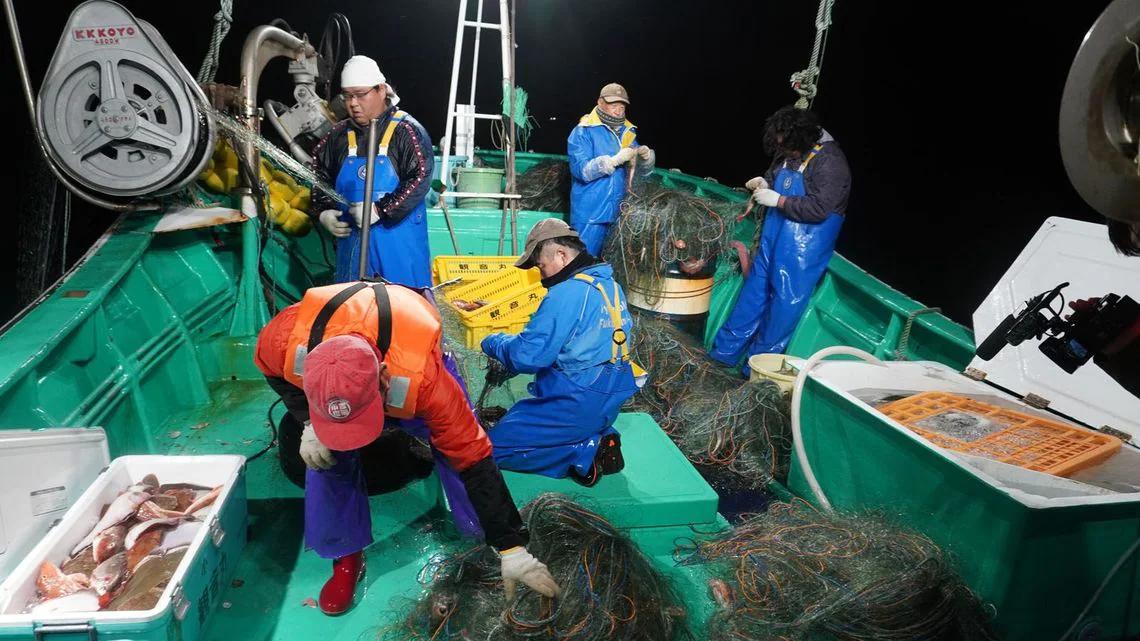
[577,346]
[601,149]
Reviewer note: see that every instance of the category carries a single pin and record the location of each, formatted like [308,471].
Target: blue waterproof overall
[570,412]
[595,196]
[789,262]
[398,253]
[338,520]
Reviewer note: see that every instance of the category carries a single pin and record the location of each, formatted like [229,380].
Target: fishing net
[664,231]
[545,187]
[609,589]
[473,364]
[794,573]
[712,415]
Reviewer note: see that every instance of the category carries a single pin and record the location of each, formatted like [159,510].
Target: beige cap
[614,92]
[545,229]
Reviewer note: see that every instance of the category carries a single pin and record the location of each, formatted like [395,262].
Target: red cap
[342,384]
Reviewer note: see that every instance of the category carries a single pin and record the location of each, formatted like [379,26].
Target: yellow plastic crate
[469,268]
[511,296]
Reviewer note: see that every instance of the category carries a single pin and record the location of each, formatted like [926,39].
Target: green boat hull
[140,339]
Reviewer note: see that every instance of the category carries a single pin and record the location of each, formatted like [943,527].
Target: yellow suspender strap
[620,340]
[814,151]
[628,137]
[389,131]
[397,118]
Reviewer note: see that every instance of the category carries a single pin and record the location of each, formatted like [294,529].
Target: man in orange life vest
[342,359]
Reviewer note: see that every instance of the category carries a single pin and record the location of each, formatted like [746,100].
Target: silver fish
[121,509]
[109,574]
[82,601]
[182,535]
[140,529]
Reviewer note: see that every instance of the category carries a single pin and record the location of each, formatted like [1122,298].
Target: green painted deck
[657,497]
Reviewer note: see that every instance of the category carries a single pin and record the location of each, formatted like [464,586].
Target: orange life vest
[403,324]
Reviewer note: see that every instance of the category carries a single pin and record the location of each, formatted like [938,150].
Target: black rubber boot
[609,459]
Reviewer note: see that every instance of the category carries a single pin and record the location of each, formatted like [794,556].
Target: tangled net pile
[663,229]
[545,187]
[794,574]
[609,589]
[715,418]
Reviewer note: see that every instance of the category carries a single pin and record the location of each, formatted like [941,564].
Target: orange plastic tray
[1001,434]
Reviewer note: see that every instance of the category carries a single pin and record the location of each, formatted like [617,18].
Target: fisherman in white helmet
[398,238]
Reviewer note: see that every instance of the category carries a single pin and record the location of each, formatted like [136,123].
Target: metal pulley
[119,113]
[1100,114]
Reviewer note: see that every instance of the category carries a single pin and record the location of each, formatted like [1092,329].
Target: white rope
[806,81]
[222,21]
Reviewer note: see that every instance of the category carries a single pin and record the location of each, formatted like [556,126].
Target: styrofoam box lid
[42,473]
[1079,253]
[20,586]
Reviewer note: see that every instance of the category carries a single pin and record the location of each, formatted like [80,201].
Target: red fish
[150,511]
[184,496]
[142,547]
[109,574]
[108,543]
[53,583]
[204,501]
[721,593]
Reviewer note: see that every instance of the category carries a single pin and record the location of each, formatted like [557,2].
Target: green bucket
[485,180]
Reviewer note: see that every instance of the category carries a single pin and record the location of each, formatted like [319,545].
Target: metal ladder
[509,198]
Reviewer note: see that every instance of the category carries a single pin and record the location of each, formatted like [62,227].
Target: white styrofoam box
[210,471]
[42,473]
[1078,253]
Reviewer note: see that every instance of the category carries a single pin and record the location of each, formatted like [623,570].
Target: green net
[794,574]
[664,232]
[610,590]
[714,417]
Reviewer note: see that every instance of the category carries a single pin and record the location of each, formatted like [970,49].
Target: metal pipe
[475,65]
[263,44]
[297,150]
[26,83]
[512,173]
[445,146]
[366,206]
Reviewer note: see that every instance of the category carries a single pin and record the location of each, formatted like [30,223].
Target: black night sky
[947,112]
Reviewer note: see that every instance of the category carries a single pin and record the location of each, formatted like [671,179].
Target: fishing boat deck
[657,499]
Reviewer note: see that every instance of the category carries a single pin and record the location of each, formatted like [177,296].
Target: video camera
[1071,341]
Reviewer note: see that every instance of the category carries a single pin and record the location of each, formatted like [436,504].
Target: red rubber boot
[337,595]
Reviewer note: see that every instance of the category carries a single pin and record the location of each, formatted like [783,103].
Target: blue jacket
[570,331]
[594,194]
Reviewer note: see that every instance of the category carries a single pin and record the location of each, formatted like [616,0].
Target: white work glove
[315,455]
[623,156]
[330,219]
[766,197]
[756,183]
[644,153]
[520,565]
[357,209]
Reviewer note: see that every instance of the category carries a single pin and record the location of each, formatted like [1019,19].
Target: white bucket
[772,367]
